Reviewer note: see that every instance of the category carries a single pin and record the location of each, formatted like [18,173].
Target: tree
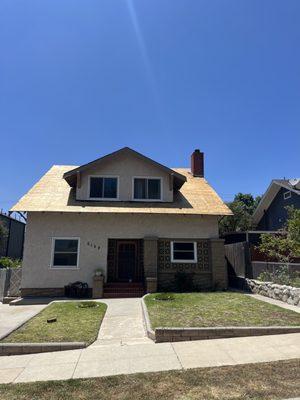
[243,207]
[285,245]
[3,233]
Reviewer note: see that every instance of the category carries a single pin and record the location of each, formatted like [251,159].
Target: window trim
[194,261]
[147,177]
[71,267]
[103,198]
[287,195]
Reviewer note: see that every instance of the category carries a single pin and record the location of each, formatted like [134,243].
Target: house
[271,213]
[11,242]
[139,221]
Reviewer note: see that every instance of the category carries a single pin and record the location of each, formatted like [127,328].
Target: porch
[139,266]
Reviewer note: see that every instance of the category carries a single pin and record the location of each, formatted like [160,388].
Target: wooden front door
[127,260]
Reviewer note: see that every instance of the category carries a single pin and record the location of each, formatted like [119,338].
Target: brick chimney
[197,163]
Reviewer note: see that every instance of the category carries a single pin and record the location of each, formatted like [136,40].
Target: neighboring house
[11,244]
[271,213]
[137,220]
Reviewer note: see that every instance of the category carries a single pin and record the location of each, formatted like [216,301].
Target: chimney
[197,163]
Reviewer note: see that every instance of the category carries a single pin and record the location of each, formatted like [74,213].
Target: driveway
[11,317]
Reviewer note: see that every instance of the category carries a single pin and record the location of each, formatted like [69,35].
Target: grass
[216,309]
[74,324]
[264,381]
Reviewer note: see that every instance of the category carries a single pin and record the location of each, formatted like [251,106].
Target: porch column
[150,263]
[218,264]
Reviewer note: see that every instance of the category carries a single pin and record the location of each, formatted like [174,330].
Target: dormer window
[147,189]
[103,188]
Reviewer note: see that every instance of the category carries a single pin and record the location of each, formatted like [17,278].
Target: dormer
[124,175]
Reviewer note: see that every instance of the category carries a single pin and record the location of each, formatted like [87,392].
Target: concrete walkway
[123,323]
[123,348]
[11,317]
[279,303]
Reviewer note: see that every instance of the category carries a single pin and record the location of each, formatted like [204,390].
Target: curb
[8,349]
[187,334]
[149,330]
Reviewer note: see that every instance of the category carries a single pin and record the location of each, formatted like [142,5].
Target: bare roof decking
[53,194]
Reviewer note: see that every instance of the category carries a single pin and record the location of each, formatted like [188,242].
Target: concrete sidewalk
[123,348]
[115,359]
[274,302]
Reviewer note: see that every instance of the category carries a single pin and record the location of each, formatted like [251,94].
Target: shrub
[164,296]
[184,282]
[7,262]
[88,304]
[281,276]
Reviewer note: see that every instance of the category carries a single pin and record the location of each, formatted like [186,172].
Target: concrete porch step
[117,295]
[124,284]
[123,289]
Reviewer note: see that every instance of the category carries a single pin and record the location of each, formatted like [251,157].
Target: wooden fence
[239,263]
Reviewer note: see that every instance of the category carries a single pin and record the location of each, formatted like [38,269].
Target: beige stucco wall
[95,229]
[125,168]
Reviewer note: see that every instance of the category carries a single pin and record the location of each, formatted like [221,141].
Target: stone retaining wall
[288,294]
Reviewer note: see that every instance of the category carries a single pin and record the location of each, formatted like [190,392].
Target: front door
[127,260]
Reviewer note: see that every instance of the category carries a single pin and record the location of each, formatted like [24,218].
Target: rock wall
[288,294]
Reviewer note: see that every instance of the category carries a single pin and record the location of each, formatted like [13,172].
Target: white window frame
[52,253]
[194,261]
[147,177]
[287,195]
[103,198]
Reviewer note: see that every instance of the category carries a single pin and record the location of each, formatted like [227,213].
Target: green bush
[8,262]
[88,304]
[184,282]
[164,296]
[281,276]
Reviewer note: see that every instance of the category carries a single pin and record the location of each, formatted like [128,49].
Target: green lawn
[74,324]
[216,309]
[264,381]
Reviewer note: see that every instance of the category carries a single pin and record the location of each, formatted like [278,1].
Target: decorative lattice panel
[15,275]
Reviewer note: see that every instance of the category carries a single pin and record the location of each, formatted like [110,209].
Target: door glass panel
[126,261]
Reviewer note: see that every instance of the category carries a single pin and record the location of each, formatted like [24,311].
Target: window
[147,189]
[65,252]
[287,195]
[184,252]
[103,187]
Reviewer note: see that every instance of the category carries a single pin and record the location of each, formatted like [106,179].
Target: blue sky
[79,79]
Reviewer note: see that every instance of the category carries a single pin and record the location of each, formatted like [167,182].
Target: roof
[71,176]
[269,196]
[53,194]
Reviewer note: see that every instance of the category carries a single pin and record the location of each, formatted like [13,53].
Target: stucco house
[139,221]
